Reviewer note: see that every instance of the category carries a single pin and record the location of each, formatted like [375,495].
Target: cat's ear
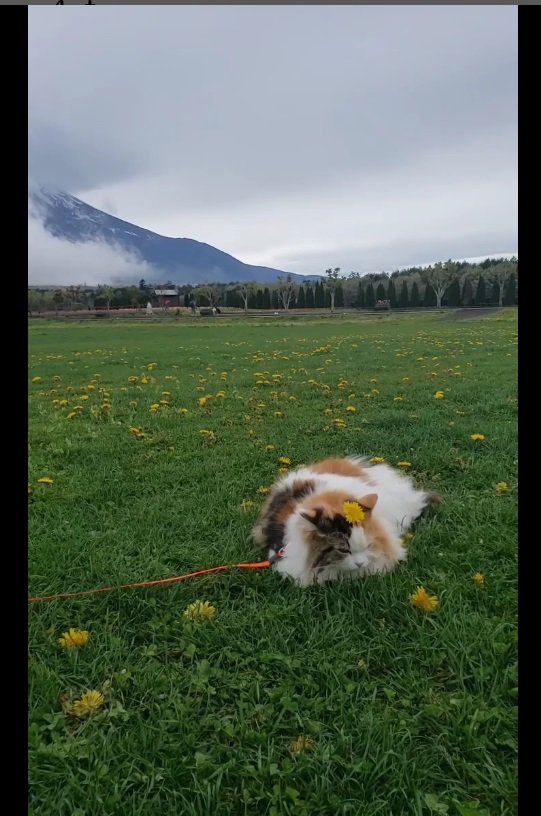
[311,515]
[369,502]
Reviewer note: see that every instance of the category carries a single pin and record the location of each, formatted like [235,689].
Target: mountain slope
[179,260]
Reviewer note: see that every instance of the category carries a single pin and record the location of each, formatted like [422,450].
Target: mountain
[177,260]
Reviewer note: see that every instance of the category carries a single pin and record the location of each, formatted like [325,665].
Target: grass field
[403,711]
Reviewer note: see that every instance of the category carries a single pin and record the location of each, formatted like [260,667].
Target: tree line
[451,284]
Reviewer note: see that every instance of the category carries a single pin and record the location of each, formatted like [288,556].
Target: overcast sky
[296,137]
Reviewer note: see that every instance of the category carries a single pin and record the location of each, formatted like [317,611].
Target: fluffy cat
[304,519]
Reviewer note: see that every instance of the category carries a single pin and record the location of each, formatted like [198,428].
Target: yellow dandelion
[247,504]
[74,639]
[84,397]
[90,703]
[407,539]
[422,600]
[183,411]
[478,579]
[155,406]
[302,744]
[284,460]
[362,665]
[404,465]
[439,395]
[221,394]
[501,487]
[461,413]
[199,611]
[30,489]
[278,413]
[351,409]
[353,512]
[377,460]
[166,393]
[262,491]
[46,480]
[36,379]
[476,437]
[269,448]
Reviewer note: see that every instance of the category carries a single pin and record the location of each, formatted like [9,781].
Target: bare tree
[211,293]
[245,290]
[333,280]
[439,277]
[286,291]
[502,272]
[107,293]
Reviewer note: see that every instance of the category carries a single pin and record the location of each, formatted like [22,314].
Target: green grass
[198,720]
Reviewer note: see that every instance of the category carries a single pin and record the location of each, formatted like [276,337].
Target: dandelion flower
[284,460]
[36,379]
[30,490]
[439,395]
[478,579]
[302,744]
[407,539]
[351,409]
[199,611]
[262,491]
[278,414]
[422,600]
[46,480]
[74,639]
[353,512]
[477,437]
[246,504]
[404,465]
[221,394]
[90,703]
[501,487]
[183,411]
[377,460]
[269,448]
[362,665]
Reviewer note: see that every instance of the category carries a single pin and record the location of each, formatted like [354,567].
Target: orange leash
[258,565]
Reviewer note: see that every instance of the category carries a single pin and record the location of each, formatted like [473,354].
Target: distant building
[166,298]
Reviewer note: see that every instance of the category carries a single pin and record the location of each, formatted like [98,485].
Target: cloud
[215,122]
[54,262]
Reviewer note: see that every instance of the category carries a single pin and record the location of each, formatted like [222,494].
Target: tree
[252,300]
[403,301]
[495,293]
[510,291]
[259,299]
[310,297]
[380,292]
[480,293]
[439,277]
[301,300]
[245,290]
[369,297]
[286,291]
[332,284]
[211,294]
[467,293]
[339,297]
[415,300]
[502,273]
[360,296]
[327,297]
[391,294]
[452,294]
[105,293]
[429,297]
[319,296]
[275,301]
[266,298]
[58,300]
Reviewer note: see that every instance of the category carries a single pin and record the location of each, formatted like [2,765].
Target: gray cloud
[321,135]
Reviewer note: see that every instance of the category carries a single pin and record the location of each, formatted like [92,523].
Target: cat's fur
[303,517]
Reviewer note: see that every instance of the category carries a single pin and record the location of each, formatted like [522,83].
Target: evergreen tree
[403,301]
[275,302]
[259,299]
[327,298]
[510,295]
[391,294]
[339,297]
[380,292]
[429,299]
[301,300]
[309,297]
[319,297]
[266,298]
[495,294]
[415,300]
[252,301]
[453,295]
[480,294]
[467,293]
[186,299]
[369,297]
[360,296]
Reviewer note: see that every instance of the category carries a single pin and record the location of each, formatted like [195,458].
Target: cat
[305,528]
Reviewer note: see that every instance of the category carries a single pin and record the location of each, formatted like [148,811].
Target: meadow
[157,444]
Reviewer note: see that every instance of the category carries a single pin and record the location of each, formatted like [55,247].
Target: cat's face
[329,537]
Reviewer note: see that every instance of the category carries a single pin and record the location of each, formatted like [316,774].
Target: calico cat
[337,518]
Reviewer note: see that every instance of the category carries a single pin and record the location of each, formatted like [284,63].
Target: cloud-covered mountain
[179,260]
